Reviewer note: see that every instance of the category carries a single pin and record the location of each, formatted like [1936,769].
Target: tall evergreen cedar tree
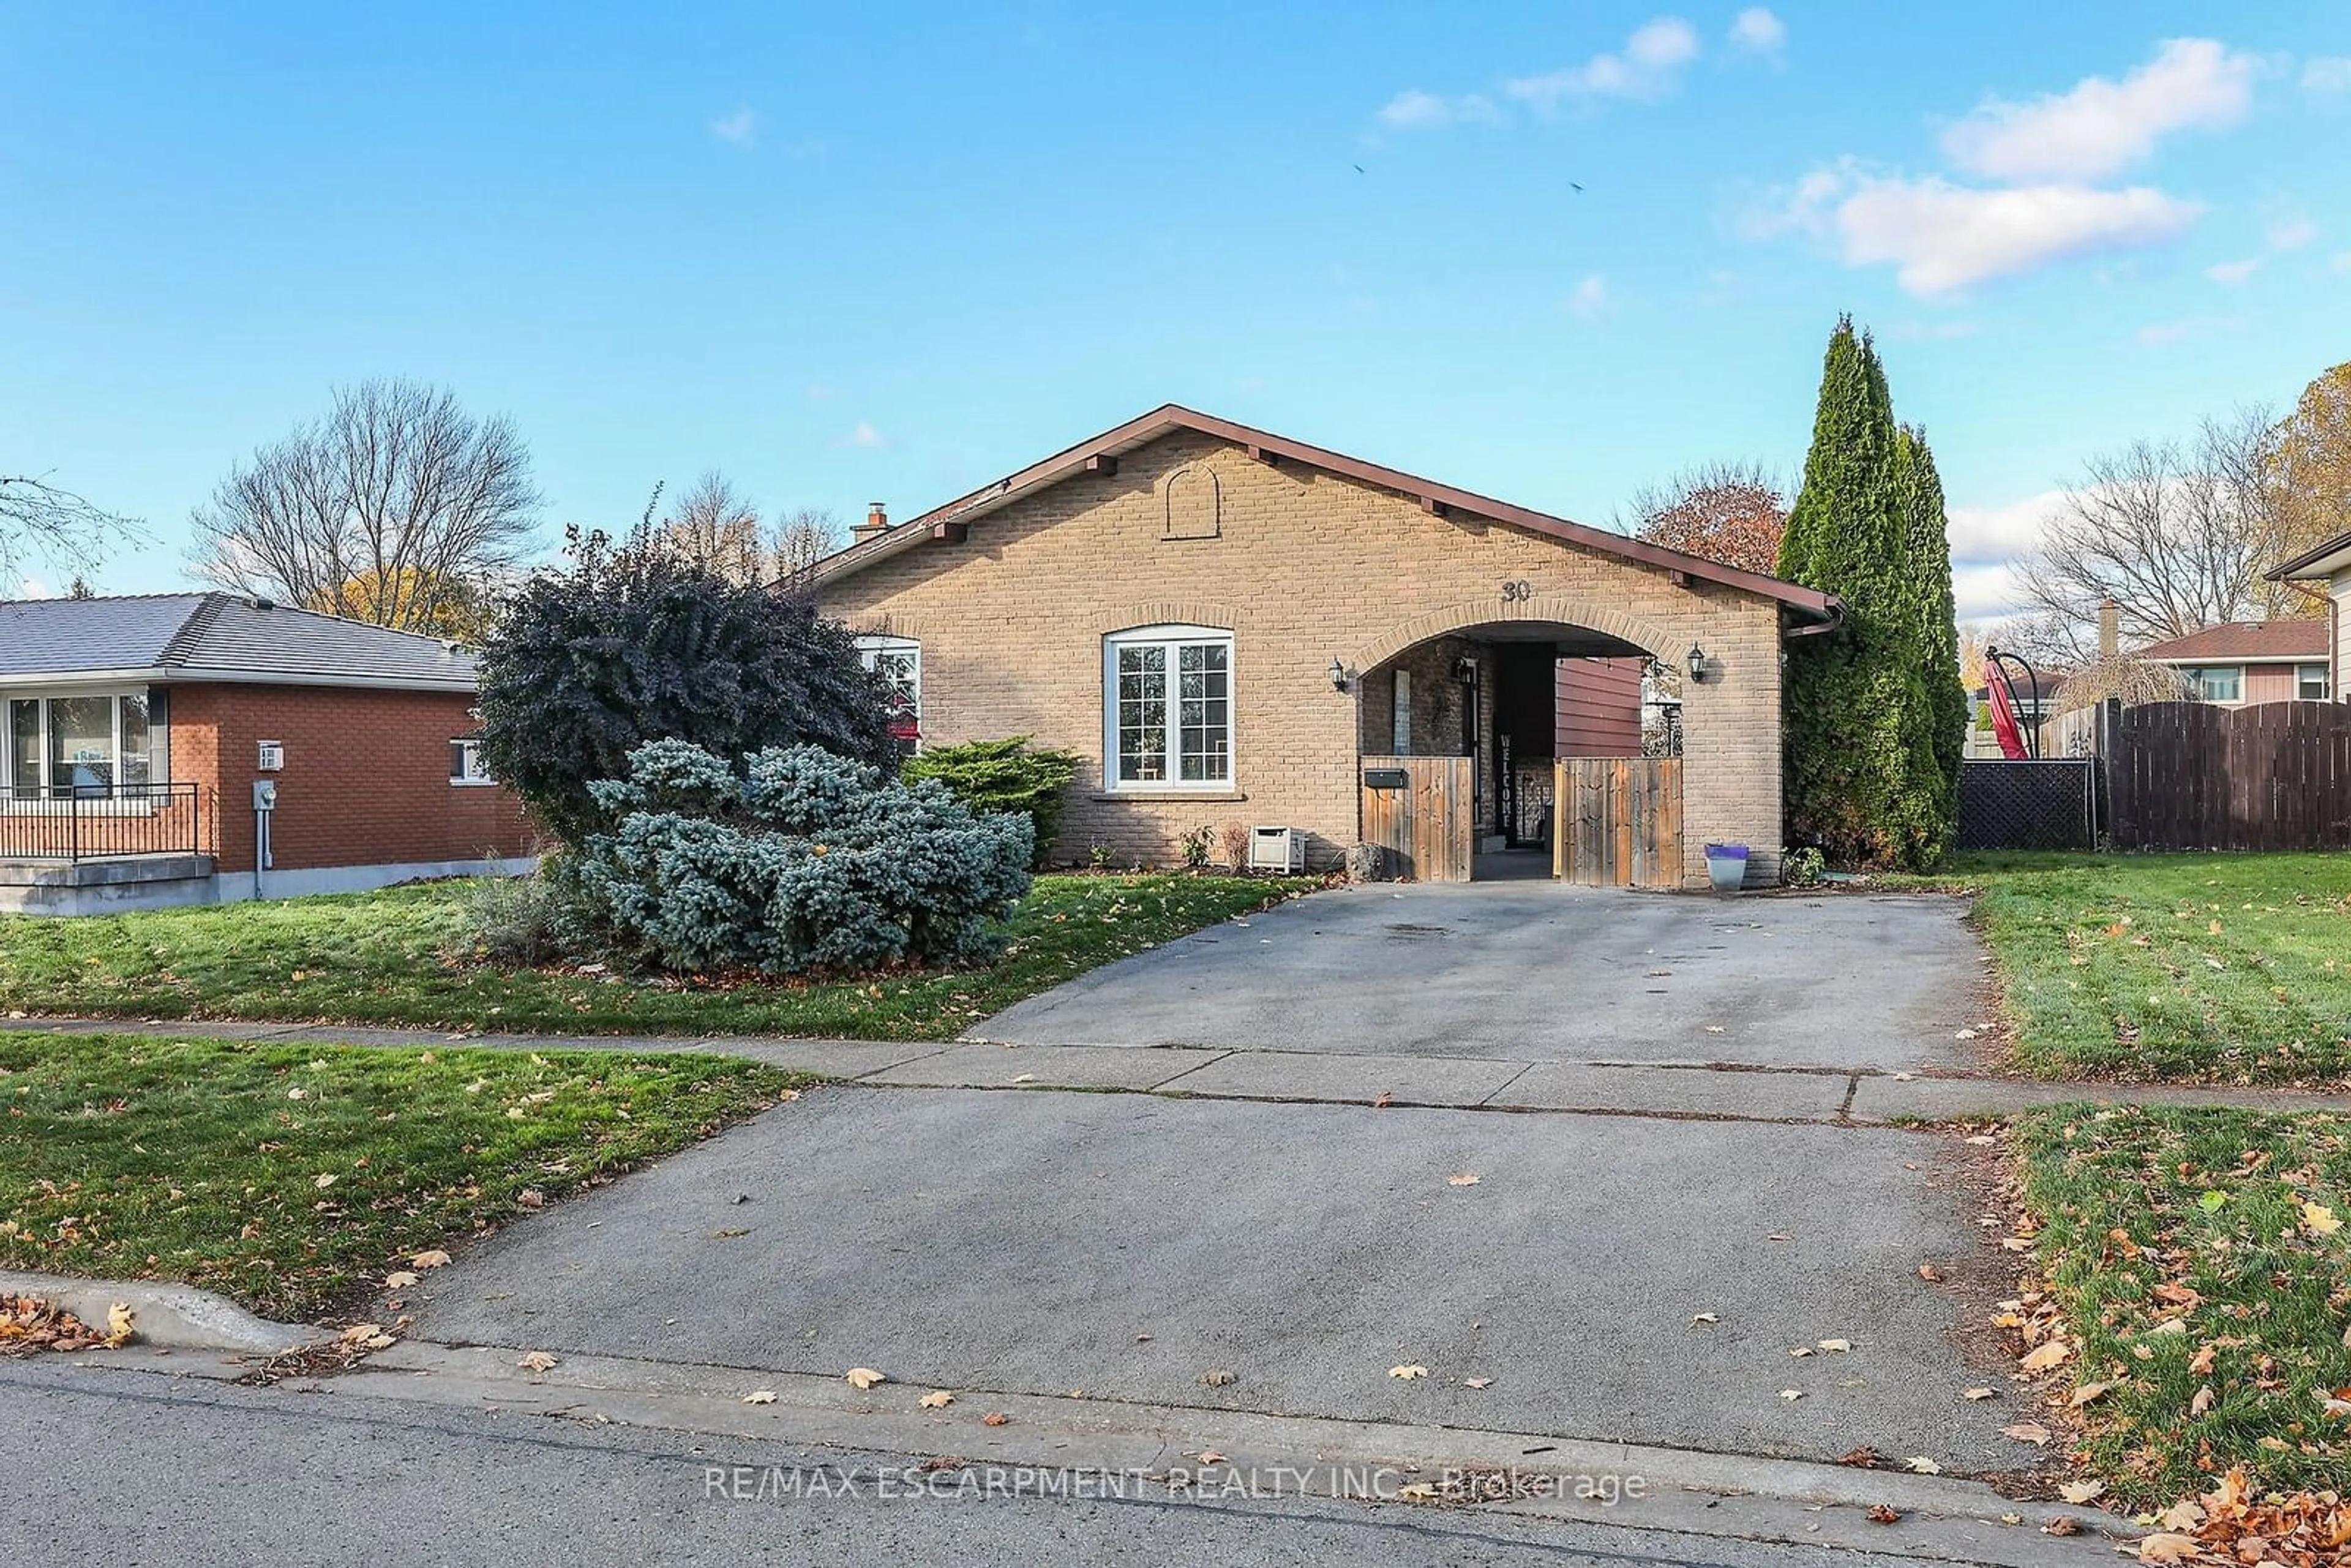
[1874,712]
[639,642]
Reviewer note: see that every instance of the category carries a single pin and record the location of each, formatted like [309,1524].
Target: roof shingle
[219,637]
[2254,640]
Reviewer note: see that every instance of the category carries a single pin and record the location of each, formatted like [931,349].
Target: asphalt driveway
[1537,971]
[1614,1277]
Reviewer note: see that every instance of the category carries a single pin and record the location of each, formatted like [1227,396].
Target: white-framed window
[84,745]
[2314,682]
[899,661]
[1400,715]
[1167,708]
[465,766]
[2218,683]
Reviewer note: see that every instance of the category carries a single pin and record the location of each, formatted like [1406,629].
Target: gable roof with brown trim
[2325,561]
[2242,642]
[1808,603]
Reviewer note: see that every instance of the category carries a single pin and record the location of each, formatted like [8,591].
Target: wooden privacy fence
[1423,810]
[2193,776]
[1620,821]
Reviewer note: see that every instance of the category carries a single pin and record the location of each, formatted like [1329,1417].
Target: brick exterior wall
[1303,567]
[366,781]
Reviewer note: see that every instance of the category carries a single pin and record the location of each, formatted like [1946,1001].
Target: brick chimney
[2110,639]
[876,524]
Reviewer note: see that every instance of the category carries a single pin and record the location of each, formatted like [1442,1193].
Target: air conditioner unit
[1276,849]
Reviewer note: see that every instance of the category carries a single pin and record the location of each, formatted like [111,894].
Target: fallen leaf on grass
[399,1280]
[863,1378]
[2167,1547]
[2054,1354]
[936,1399]
[2320,1219]
[2202,1362]
[760,1397]
[2027,1432]
[1408,1372]
[536,1361]
[2082,1491]
[2202,1401]
[2088,1392]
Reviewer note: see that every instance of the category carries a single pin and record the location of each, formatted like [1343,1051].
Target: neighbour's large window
[2314,682]
[899,661]
[2218,683]
[1167,718]
[86,744]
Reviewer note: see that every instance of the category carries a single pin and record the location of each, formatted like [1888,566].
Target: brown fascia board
[2301,565]
[1810,602]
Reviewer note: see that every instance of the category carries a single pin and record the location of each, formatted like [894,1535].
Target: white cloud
[2233,273]
[2328,73]
[740,128]
[1414,109]
[1986,590]
[1940,236]
[2292,233]
[1755,28]
[864,437]
[2102,127]
[1647,69]
[1590,298]
[2000,533]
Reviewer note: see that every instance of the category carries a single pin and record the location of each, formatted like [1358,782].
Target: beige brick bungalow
[1226,624]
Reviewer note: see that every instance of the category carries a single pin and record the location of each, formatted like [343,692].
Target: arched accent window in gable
[1192,505]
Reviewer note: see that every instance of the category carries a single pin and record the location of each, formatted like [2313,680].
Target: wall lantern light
[1700,666]
[1338,676]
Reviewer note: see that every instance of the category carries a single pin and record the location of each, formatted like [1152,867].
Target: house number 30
[1517,591]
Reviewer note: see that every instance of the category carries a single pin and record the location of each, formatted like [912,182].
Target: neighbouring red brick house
[135,732]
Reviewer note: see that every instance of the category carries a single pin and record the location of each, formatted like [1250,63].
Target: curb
[168,1317]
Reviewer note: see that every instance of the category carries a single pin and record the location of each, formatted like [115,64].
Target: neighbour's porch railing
[103,822]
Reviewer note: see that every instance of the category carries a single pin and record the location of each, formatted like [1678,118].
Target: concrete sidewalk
[1698,1089]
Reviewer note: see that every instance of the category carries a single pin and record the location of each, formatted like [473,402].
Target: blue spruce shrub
[798,859]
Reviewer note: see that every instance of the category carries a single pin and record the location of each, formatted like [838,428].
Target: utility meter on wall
[264,794]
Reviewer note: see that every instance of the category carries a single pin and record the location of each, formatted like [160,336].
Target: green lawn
[2233,968]
[2209,1207]
[397,957]
[291,1176]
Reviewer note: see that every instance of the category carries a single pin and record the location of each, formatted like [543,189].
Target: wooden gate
[1423,810]
[1620,821]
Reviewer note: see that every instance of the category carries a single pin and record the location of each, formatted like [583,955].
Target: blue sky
[893,252]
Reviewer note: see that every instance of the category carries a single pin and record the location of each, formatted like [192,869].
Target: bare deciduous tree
[396,485]
[713,526]
[804,538]
[1725,511]
[2176,535]
[40,521]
